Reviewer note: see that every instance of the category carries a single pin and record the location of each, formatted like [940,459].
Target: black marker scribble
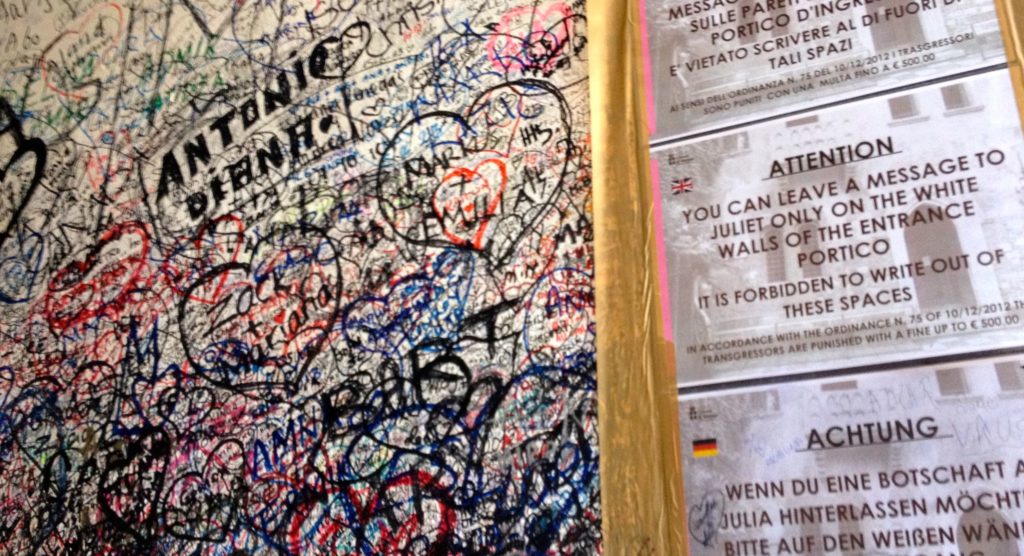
[296,277]
[705,518]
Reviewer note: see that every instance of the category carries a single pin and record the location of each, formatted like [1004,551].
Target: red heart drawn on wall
[217,242]
[79,48]
[101,284]
[467,199]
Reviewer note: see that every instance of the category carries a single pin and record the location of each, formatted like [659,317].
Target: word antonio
[196,153]
[872,434]
[836,156]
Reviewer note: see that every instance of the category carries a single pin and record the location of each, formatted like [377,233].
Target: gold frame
[1011,21]
[641,474]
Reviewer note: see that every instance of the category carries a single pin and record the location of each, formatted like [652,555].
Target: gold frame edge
[641,476]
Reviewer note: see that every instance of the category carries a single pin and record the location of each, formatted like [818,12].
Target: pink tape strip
[659,231]
[659,240]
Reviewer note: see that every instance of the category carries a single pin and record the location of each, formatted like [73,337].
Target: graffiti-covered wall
[296,276]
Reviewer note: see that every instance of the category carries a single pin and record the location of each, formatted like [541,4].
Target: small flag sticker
[705,448]
[682,185]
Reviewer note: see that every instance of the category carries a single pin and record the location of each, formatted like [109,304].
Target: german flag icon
[705,448]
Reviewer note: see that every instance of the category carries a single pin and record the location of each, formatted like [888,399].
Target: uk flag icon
[682,185]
